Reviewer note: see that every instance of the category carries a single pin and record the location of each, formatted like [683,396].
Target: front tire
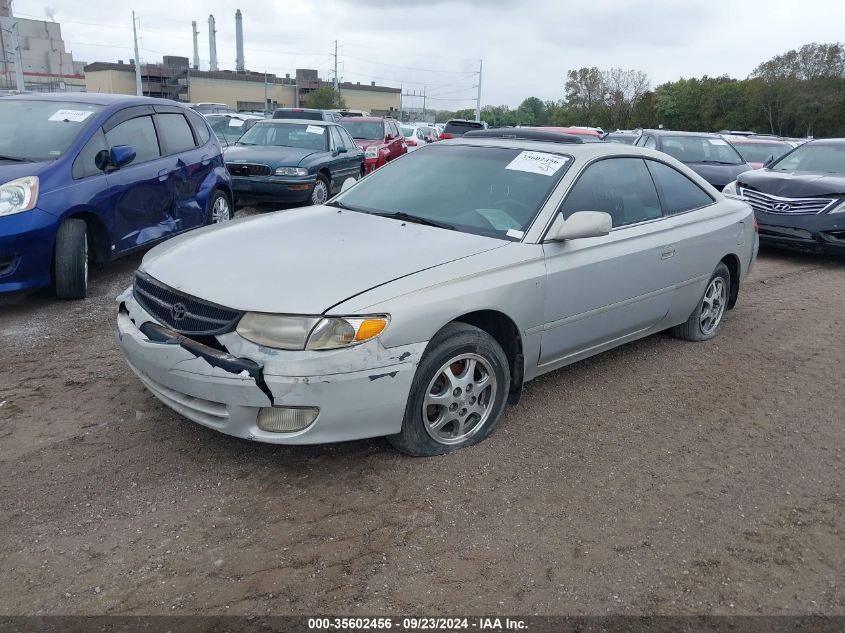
[458,393]
[71,260]
[705,322]
[320,192]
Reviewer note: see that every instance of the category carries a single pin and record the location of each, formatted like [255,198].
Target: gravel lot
[662,477]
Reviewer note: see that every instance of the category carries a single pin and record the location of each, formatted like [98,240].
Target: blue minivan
[92,177]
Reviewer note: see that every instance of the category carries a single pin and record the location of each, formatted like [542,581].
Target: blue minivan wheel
[71,260]
[219,208]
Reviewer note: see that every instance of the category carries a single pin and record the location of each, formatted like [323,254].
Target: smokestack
[196,45]
[212,44]
[240,66]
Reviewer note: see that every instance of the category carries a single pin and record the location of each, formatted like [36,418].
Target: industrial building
[46,65]
[181,79]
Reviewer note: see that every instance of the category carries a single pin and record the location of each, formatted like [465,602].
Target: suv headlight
[307,332]
[840,208]
[371,152]
[291,171]
[731,189]
[18,195]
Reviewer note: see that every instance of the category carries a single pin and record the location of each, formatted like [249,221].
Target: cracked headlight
[291,171]
[309,332]
[18,195]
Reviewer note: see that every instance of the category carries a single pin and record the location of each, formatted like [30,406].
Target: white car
[418,135]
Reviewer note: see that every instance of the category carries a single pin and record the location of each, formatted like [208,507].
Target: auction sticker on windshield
[537,163]
[76,116]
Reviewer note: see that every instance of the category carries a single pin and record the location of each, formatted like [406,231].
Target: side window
[200,128]
[140,133]
[678,192]
[86,163]
[650,142]
[337,141]
[175,133]
[621,187]
[348,141]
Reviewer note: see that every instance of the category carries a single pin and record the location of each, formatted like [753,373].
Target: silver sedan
[417,303]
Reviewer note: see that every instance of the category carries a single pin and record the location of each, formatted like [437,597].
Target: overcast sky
[526,45]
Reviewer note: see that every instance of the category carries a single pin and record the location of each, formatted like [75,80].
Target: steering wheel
[521,206]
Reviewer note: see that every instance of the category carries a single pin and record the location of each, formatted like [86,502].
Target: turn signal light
[370,328]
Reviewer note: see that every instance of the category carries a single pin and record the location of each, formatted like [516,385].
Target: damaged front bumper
[360,391]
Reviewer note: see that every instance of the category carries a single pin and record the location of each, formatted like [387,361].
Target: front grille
[248,169]
[181,312]
[787,206]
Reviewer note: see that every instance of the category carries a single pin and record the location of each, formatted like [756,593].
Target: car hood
[270,155]
[303,261]
[793,184]
[364,144]
[718,175]
[12,170]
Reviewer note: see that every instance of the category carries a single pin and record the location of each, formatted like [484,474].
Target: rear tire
[71,260]
[458,393]
[705,322]
[219,208]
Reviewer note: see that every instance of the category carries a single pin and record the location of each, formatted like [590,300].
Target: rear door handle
[163,174]
[206,159]
[667,251]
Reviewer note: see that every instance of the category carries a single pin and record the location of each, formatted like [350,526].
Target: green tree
[586,94]
[326,99]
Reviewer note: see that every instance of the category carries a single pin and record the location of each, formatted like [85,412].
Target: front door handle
[206,159]
[667,251]
[163,174]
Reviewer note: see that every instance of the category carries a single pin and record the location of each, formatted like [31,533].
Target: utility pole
[18,59]
[478,99]
[138,89]
[424,91]
[401,94]
[265,93]
[335,66]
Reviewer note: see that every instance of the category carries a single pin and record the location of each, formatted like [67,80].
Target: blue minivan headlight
[18,195]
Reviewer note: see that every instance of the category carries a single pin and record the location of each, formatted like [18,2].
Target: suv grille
[181,312]
[248,169]
[774,204]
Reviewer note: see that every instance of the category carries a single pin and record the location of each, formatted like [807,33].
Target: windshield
[286,135]
[226,127]
[41,130]
[408,132]
[364,130]
[819,159]
[483,190]
[760,152]
[701,149]
[623,140]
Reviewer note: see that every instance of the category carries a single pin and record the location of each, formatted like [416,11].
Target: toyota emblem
[178,311]
[782,206]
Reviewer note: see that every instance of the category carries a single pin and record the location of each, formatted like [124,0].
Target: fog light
[286,419]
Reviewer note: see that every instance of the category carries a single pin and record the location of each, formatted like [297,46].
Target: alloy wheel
[713,305]
[220,212]
[459,399]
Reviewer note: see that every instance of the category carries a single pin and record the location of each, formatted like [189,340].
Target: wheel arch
[506,333]
[734,268]
[99,241]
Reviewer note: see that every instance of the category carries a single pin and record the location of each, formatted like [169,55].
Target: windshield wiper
[407,217]
[715,162]
[16,159]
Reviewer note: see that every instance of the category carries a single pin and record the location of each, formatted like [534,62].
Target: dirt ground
[663,477]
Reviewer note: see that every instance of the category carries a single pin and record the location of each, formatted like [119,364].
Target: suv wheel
[219,209]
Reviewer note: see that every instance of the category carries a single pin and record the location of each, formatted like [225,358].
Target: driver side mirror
[769,160]
[579,225]
[389,137]
[115,158]
[340,150]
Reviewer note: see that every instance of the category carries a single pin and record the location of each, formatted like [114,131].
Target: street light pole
[138,89]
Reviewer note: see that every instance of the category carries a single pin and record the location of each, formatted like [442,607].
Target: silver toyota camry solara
[416,304]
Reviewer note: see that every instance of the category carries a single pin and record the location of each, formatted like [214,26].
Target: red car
[380,139]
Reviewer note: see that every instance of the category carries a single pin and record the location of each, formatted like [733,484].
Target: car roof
[91,98]
[753,140]
[826,141]
[374,119]
[297,121]
[584,151]
[680,133]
